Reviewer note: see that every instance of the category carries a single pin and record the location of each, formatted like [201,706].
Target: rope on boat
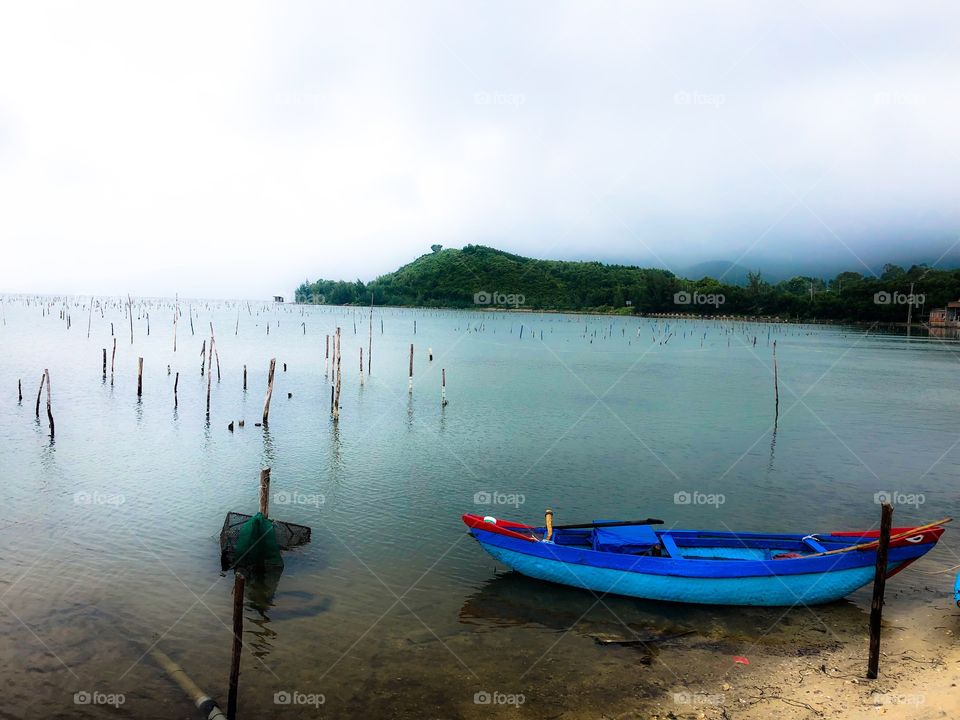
[938,572]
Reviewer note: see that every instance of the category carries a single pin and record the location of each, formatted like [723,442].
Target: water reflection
[514,600]
[269,455]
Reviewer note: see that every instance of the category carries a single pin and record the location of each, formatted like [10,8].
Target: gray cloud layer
[233,149]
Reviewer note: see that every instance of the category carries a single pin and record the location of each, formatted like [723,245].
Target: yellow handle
[549,521]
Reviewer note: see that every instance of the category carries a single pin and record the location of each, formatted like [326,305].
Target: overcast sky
[234,149]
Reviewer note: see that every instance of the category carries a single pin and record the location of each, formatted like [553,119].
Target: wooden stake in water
[443,387]
[209,375]
[176,382]
[879,584]
[113,359]
[214,351]
[139,377]
[370,340]
[336,386]
[410,380]
[46,374]
[326,362]
[238,583]
[266,401]
[244,378]
[776,387]
[104,363]
[130,313]
[265,492]
[19,391]
[361,366]
[43,379]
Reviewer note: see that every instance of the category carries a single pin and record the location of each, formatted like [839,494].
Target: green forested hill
[478,276]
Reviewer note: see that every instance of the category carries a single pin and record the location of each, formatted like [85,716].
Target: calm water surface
[108,541]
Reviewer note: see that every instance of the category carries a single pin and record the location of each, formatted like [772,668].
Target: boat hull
[776,590]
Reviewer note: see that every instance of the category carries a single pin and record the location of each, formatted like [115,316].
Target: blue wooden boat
[956,591]
[699,566]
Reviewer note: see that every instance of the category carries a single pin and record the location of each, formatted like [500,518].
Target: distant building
[278,298]
[946,317]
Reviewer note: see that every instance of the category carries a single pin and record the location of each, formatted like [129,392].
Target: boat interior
[699,544]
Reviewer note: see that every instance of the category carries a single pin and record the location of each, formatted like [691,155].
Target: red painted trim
[928,536]
[502,527]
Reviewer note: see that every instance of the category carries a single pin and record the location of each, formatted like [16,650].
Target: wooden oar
[874,543]
[621,523]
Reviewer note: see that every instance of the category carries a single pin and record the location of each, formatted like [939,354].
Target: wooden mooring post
[238,583]
[139,377]
[443,387]
[176,382]
[104,363]
[244,378]
[410,379]
[113,359]
[879,584]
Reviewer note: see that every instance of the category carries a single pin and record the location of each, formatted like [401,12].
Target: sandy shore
[919,675]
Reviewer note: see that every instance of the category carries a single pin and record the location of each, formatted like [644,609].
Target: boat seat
[670,545]
[811,542]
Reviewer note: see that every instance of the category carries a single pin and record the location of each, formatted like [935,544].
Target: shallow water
[109,539]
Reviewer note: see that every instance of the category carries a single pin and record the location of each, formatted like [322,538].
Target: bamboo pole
[370,340]
[361,365]
[176,312]
[443,387]
[130,313]
[326,363]
[266,401]
[113,359]
[176,382]
[205,704]
[244,378]
[46,374]
[879,584]
[139,377]
[19,391]
[104,363]
[89,318]
[410,377]
[238,583]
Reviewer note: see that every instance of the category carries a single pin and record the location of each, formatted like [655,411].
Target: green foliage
[459,278]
